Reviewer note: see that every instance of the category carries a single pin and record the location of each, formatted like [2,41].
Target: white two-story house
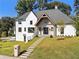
[47,22]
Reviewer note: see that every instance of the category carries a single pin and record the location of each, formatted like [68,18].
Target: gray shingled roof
[23,17]
[55,16]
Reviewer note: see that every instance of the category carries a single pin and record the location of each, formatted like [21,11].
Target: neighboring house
[47,22]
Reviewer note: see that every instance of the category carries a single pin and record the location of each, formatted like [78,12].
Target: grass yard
[6,48]
[50,48]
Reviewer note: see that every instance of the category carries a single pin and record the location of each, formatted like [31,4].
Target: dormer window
[44,14]
[31,22]
[19,22]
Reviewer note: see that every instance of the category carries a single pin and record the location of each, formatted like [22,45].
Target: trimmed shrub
[37,36]
[60,38]
[51,36]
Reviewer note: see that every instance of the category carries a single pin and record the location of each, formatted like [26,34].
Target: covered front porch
[45,27]
[44,31]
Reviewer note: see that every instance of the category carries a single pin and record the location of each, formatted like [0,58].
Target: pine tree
[76,4]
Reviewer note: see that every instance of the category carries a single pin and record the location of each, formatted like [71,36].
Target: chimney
[56,7]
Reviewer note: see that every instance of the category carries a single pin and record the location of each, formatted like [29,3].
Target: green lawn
[50,48]
[8,47]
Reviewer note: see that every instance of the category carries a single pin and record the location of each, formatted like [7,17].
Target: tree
[43,5]
[24,6]
[62,6]
[76,4]
[6,24]
[76,25]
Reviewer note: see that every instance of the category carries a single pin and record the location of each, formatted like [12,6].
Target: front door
[45,30]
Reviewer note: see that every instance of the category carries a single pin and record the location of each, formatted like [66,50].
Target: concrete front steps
[30,49]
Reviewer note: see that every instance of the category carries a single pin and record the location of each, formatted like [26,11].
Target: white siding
[26,23]
[69,30]
[33,18]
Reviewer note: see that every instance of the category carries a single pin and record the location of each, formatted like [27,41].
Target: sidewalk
[7,57]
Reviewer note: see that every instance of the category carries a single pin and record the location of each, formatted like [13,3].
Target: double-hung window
[19,29]
[31,29]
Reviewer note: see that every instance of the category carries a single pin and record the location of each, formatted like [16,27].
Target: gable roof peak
[54,15]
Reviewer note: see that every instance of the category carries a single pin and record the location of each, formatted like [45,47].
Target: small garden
[7,47]
[54,48]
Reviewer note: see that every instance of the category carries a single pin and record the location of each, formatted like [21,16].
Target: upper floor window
[19,29]
[19,22]
[31,22]
[44,14]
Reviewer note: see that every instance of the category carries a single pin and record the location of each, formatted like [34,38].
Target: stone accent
[16,50]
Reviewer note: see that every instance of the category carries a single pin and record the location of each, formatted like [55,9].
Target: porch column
[39,31]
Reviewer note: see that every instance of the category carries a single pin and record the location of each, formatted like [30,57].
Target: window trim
[61,28]
[31,28]
[31,22]
[19,29]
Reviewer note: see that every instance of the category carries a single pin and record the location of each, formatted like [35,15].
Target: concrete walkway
[30,49]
